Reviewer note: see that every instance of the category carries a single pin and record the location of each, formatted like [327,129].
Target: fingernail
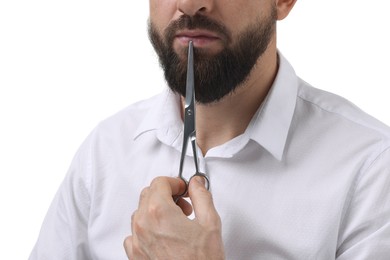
[200,180]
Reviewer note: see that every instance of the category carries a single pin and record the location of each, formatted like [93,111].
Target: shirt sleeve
[64,232]
[365,229]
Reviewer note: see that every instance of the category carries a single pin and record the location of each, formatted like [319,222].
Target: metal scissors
[189,121]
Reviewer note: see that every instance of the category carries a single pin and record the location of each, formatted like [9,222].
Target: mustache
[196,22]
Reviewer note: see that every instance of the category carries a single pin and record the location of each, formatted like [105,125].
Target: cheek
[161,12]
[238,14]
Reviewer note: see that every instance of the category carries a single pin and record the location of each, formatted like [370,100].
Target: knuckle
[155,211]
[134,217]
[139,224]
[156,181]
[143,221]
[137,227]
[144,193]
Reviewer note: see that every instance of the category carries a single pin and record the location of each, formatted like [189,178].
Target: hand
[162,230]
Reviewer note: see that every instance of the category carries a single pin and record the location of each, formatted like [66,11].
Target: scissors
[189,122]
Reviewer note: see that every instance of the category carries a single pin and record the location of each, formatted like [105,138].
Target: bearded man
[294,172]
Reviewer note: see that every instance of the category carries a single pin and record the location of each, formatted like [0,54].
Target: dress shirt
[308,179]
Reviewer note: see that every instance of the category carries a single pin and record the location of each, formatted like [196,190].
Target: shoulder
[338,110]
[125,123]
[130,116]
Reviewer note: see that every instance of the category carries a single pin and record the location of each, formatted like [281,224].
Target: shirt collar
[269,127]
[271,124]
[164,117]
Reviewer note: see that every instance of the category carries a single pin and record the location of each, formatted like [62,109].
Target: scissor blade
[190,93]
[189,111]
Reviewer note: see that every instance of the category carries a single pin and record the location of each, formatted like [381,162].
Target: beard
[216,75]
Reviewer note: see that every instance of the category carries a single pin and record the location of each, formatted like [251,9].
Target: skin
[160,228]
[213,127]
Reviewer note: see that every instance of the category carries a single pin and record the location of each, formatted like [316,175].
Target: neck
[220,122]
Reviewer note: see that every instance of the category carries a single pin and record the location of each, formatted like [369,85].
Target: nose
[192,7]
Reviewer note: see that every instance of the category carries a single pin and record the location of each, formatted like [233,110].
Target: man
[295,173]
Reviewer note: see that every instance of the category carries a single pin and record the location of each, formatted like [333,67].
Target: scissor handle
[207,183]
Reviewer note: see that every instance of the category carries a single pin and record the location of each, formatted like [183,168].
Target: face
[228,37]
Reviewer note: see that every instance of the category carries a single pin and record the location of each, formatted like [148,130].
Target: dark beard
[215,75]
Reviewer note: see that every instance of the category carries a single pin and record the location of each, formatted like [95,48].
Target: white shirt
[309,179]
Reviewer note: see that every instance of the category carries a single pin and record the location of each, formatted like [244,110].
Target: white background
[66,65]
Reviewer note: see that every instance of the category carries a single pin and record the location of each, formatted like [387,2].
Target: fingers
[128,245]
[160,230]
[162,188]
[184,205]
[156,217]
[202,202]
[168,186]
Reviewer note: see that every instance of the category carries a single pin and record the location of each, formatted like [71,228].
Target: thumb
[202,202]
